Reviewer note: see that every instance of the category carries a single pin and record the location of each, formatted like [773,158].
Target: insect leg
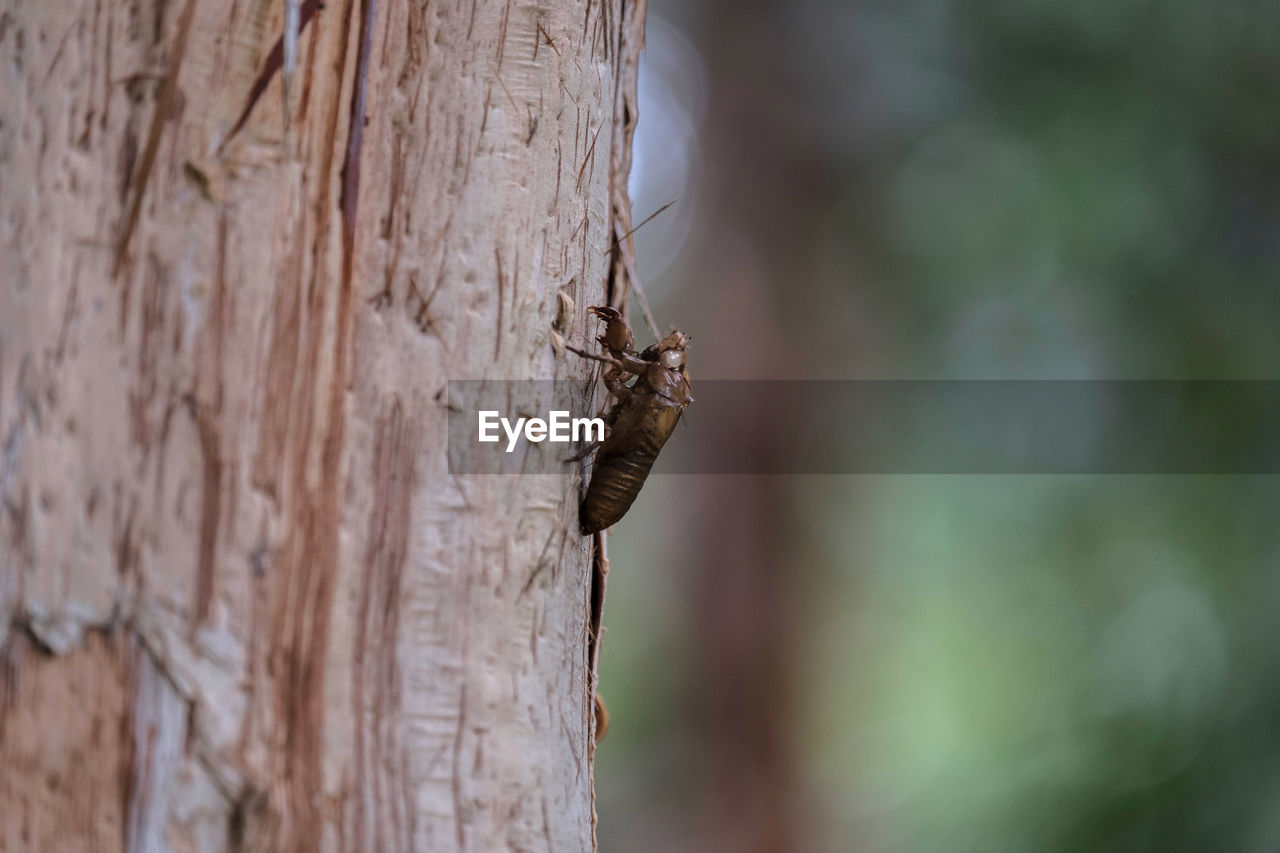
[592,448]
[587,451]
[617,371]
[606,359]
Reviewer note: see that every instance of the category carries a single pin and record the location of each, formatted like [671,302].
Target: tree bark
[243,603]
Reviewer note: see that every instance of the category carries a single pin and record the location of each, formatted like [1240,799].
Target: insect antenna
[642,224]
[632,277]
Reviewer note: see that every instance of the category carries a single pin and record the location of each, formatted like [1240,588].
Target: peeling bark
[243,603]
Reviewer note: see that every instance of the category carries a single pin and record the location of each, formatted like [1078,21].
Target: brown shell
[640,425]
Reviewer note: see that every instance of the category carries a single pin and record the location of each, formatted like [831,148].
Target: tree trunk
[243,603]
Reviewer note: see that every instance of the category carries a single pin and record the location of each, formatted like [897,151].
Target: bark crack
[621,275]
[166,104]
[274,62]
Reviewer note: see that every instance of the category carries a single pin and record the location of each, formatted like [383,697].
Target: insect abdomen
[615,482]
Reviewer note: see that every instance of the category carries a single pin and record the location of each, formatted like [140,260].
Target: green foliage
[1030,189]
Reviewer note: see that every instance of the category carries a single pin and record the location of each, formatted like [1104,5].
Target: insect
[639,424]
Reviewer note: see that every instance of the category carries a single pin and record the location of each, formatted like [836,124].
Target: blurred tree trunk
[752,571]
[243,603]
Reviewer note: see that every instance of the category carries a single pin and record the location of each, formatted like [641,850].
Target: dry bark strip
[243,603]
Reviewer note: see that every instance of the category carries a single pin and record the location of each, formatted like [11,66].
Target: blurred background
[950,189]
